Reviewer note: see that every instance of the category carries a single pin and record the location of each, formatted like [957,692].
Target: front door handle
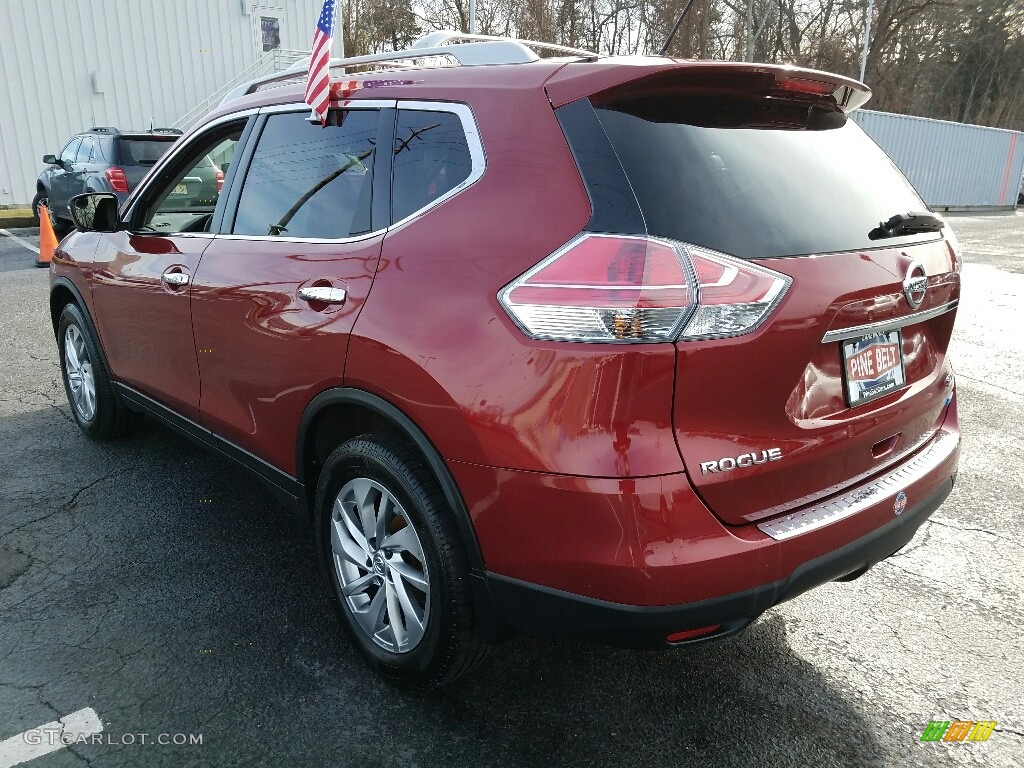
[176,279]
[324,294]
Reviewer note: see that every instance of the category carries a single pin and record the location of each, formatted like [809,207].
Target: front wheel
[95,405]
[39,198]
[396,564]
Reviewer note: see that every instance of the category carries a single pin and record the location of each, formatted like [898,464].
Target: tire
[95,405]
[39,198]
[420,580]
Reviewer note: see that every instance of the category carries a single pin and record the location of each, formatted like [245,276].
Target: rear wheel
[95,405]
[396,564]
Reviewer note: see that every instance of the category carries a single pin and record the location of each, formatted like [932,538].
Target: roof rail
[446,37]
[466,49]
[103,129]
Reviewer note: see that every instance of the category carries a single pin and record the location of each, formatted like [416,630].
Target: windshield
[760,193]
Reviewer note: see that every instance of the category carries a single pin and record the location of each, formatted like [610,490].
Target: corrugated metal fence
[953,165]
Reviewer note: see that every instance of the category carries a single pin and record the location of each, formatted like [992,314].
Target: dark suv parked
[626,349]
[102,159]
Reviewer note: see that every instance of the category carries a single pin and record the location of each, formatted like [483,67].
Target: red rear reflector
[802,85]
[118,181]
[676,637]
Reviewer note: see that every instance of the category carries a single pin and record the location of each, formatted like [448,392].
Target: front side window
[431,159]
[184,196]
[307,180]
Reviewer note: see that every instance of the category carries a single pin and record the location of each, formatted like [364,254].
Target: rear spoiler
[784,89]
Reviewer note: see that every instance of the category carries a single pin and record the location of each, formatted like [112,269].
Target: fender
[359,397]
[66,282]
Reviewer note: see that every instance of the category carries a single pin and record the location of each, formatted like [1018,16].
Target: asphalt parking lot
[164,590]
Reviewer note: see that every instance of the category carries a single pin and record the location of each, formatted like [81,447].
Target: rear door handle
[175,278]
[324,294]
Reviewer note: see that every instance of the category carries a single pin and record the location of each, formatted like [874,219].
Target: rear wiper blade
[912,223]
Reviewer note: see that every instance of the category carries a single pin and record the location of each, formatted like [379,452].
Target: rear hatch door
[847,372]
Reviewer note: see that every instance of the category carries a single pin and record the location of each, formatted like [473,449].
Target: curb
[7,222]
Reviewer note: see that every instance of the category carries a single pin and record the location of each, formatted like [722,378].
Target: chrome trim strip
[856,331]
[273,109]
[322,240]
[862,498]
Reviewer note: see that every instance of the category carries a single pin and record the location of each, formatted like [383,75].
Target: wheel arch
[62,293]
[341,413]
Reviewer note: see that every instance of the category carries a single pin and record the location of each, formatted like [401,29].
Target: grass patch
[16,217]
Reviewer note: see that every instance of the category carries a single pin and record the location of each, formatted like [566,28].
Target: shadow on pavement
[166,591]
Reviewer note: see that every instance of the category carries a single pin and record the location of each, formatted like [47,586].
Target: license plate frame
[873,366]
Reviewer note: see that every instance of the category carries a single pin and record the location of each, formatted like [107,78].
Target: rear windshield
[760,193]
[143,151]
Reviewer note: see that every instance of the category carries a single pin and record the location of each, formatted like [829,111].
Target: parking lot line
[18,240]
[50,737]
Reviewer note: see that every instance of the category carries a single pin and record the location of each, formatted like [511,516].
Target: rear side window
[310,181]
[757,192]
[143,151]
[431,159]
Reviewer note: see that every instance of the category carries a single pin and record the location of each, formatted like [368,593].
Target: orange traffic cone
[47,237]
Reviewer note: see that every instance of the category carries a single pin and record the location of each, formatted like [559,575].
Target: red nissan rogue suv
[630,349]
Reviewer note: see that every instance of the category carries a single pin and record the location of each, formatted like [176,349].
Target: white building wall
[66,65]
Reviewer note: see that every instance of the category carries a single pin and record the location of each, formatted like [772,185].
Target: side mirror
[94,212]
[51,160]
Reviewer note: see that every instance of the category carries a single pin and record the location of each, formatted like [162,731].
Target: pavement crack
[993,534]
[990,384]
[69,504]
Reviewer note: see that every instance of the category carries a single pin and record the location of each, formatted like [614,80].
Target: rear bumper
[630,562]
[533,608]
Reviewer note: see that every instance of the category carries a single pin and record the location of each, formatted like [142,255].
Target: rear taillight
[955,251]
[220,179]
[619,288]
[734,296]
[116,178]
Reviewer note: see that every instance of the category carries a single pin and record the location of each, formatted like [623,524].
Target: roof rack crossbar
[466,49]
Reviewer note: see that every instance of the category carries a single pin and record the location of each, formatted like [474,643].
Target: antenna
[668,42]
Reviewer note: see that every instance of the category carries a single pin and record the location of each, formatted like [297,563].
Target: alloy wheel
[380,565]
[78,367]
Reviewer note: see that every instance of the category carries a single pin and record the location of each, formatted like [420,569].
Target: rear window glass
[760,193]
[143,151]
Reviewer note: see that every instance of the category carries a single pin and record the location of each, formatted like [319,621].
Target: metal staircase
[270,62]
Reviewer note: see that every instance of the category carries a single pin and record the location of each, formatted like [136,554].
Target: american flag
[318,85]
